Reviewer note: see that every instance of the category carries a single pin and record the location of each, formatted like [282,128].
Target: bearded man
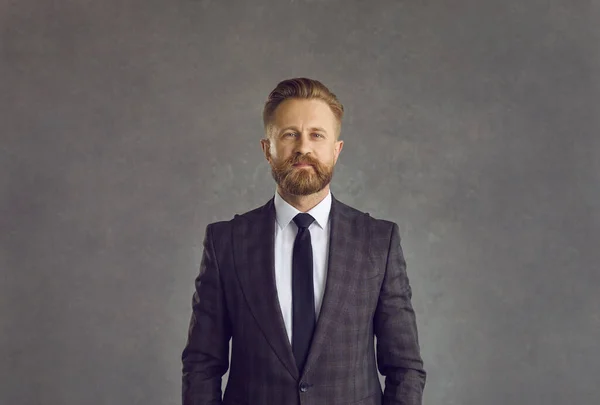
[312,294]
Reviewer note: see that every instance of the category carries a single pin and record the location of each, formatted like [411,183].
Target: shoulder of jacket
[378,223]
[224,225]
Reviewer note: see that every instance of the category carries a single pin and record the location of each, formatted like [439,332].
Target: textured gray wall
[128,126]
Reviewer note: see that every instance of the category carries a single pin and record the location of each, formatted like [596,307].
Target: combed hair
[301,88]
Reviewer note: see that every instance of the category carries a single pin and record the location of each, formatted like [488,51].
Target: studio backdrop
[128,126]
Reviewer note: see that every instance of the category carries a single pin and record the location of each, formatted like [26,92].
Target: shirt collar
[285,212]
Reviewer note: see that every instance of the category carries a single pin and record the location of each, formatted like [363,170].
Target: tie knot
[303,220]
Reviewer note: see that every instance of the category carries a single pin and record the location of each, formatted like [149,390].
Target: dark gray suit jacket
[367,294]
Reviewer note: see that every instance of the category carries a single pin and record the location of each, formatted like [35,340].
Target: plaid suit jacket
[367,295]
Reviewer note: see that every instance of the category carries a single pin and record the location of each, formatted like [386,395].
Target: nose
[303,144]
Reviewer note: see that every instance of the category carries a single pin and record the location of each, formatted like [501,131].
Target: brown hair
[302,88]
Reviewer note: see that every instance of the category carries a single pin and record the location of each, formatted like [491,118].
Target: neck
[304,203]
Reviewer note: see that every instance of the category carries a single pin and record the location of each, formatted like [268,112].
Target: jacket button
[303,387]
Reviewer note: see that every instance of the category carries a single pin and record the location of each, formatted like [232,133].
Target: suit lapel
[254,246]
[342,274]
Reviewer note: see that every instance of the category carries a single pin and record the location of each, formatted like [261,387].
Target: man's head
[302,120]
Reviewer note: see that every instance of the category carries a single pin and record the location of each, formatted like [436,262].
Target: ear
[265,144]
[337,148]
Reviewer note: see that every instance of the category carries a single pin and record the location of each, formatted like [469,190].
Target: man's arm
[398,352]
[205,357]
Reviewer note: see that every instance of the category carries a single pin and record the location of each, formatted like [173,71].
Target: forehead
[304,113]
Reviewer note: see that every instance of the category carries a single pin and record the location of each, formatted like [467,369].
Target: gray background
[128,126]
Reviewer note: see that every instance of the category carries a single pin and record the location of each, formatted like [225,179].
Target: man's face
[302,146]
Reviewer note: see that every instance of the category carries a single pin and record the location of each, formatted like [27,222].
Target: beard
[301,180]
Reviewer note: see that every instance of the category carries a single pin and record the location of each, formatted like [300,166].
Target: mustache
[304,160]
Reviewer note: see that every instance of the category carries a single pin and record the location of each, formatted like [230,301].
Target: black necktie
[303,293]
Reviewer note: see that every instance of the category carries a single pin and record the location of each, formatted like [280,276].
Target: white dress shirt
[285,235]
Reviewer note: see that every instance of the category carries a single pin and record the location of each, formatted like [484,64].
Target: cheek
[273,149]
[279,153]
[285,151]
[333,156]
[327,156]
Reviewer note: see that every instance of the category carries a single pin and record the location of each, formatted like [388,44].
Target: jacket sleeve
[398,352]
[205,357]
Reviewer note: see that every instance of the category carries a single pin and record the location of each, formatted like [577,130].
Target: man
[303,284]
